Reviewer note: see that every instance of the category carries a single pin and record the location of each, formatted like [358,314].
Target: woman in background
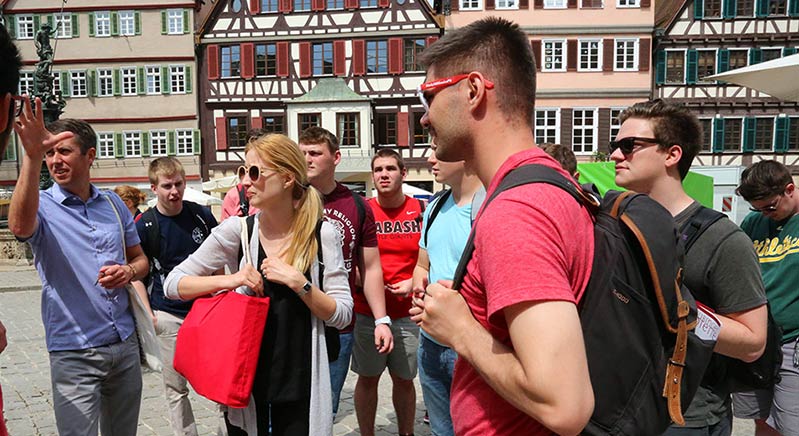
[132,197]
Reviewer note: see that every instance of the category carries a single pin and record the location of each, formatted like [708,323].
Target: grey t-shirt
[722,272]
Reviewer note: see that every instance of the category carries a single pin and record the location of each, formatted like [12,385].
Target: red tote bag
[219,342]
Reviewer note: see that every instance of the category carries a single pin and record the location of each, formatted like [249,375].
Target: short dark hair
[84,133]
[497,48]
[672,124]
[9,67]
[387,152]
[763,180]
[318,135]
[562,154]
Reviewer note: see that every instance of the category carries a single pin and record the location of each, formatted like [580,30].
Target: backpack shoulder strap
[319,253]
[244,204]
[250,228]
[360,205]
[422,204]
[152,249]
[699,222]
[437,203]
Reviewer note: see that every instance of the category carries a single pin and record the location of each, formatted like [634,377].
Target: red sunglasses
[439,84]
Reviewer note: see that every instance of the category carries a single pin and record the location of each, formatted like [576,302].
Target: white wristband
[384,320]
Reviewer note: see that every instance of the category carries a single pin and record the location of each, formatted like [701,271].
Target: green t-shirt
[777,247]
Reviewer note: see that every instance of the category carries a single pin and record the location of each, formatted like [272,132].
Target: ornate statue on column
[43,77]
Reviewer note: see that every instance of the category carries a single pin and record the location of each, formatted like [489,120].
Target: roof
[330,89]
[666,11]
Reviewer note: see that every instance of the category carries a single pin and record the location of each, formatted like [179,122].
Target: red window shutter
[318,5]
[247,61]
[221,133]
[454,5]
[536,44]
[607,55]
[283,60]
[284,6]
[351,4]
[403,130]
[524,4]
[645,3]
[305,59]
[255,6]
[429,40]
[358,57]
[643,54]
[571,55]
[538,4]
[256,122]
[383,3]
[395,55]
[490,5]
[571,4]
[212,56]
[339,58]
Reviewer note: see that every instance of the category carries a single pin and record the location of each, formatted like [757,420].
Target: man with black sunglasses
[773,227]
[654,149]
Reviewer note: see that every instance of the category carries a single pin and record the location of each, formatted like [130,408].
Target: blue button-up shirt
[71,243]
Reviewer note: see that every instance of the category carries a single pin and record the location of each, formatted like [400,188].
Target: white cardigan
[221,249]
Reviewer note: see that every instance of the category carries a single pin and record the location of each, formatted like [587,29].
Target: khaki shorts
[401,362]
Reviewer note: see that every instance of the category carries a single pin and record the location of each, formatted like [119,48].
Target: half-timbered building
[284,65]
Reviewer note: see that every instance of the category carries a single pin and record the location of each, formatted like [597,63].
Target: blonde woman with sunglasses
[292,382]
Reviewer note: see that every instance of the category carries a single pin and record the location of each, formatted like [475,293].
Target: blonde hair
[127,192]
[284,156]
[165,166]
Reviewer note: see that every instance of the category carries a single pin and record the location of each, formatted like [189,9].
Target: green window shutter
[781,134]
[145,144]
[141,87]
[12,28]
[749,135]
[51,21]
[755,56]
[718,135]
[91,24]
[787,51]
[75,25]
[137,22]
[119,145]
[693,58]
[793,8]
[187,77]
[171,148]
[699,9]
[165,82]
[186,20]
[114,23]
[117,82]
[730,8]
[660,67]
[164,28]
[723,62]
[37,22]
[195,141]
[91,86]
[761,8]
[65,85]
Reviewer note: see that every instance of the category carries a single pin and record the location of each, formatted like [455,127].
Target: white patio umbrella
[222,184]
[777,77]
[195,196]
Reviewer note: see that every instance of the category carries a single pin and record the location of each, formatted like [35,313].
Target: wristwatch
[384,320]
[306,288]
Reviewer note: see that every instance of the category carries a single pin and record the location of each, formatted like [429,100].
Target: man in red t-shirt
[398,218]
[514,323]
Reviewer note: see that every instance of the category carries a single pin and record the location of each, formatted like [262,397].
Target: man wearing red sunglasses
[521,365]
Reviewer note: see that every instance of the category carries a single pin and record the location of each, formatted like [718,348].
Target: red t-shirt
[533,243]
[398,232]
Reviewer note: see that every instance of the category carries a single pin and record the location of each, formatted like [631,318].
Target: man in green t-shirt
[773,226]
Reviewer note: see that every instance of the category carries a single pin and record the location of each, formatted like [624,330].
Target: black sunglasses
[627,145]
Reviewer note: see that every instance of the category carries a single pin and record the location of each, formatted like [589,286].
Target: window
[273,124]
[377,56]
[56,81]
[105,145]
[10,155]
[127,23]
[128,80]
[231,61]
[302,5]
[592,4]
[732,134]
[554,55]
[132,144]
[77,84]
[386,128]
[675,66]
[421,135]
[793,134]
[265,60]
[507,4]
[368,3]
[348,129]
[771,54]
[153,77]
[778,7]
[102,23]
[158,142]
[105,82]
[547,127]
[185,141]
[174,21]
[471,5]
[308,120]
[707,134]
[271,5]
[626,55]
[627,3]
[615,124]
[177,79]
[764,134]
[322,58]
[584,130]
[554,4]
[705,64]
[745,8]
[63,25]
[237,132]
[589,53]
[25,83]
[712,9]
[25,28]
[413,48]
[738,59]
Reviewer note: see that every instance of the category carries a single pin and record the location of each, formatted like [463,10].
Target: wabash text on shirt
[404,228]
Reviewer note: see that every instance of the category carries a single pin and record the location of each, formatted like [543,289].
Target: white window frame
[635,43]
[177,79]
[556,4]
[741,134]
[613,126]
[684,52]
[78,85]
[471,5]
[599,51]
[127,19]
[25,77]
[27,21]
[105,145]
[545,127]
[56,81]
[157,136]
[503,5]
[594,130]
[174,21]
[773,119]
[65,29]
[105,76]
[128,77]
[712,135]
[563,56]
[623,4]
[715,64]
[746,56]
[152,77]
[102,24]
[131,138]
[187,137]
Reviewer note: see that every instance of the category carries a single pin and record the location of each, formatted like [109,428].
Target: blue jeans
[339,368]
[436,364]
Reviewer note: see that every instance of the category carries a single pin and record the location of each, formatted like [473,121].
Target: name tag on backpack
[707,325]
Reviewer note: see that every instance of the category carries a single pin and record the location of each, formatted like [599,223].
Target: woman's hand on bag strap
[250,277]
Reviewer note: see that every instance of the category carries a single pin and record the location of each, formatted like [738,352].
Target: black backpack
[644,360]
[438,200]
[244,203]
